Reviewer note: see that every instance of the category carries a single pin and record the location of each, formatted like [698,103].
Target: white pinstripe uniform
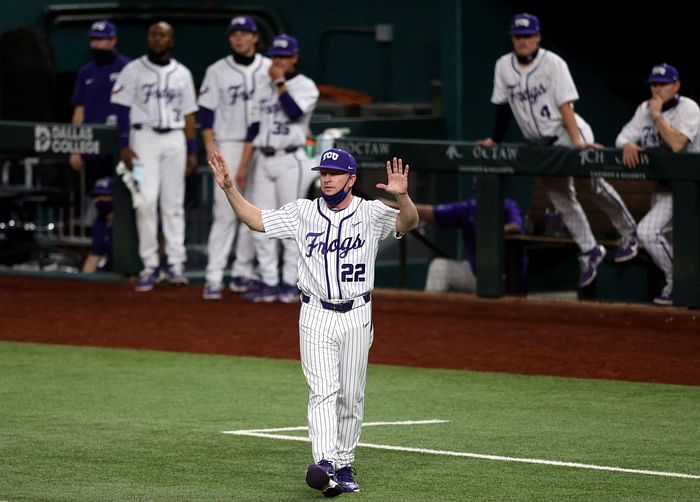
[535,92]
[338,251]
[158,98]
[684,117]
[281,175]
[229,89]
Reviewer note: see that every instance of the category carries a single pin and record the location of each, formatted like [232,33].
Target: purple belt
[337,307]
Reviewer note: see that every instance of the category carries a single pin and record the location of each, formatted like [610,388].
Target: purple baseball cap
[242,23]
[524,24]
[102,29]
[663,74]
[337,159]
[103,186]
[284,46]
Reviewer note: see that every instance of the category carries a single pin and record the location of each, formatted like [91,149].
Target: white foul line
[266,433]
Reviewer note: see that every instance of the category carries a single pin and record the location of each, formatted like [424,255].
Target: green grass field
[89,424]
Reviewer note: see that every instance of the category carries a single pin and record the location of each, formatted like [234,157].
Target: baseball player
[91,96]
[225,107]
[160,95]
[535,86]
[282,115]
[337,236]
[445,274]
[670,121]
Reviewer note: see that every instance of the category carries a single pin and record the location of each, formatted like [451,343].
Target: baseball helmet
[103,186]
[242,23]
[283,46]
[337,159]
[102,29]
[524,24]
[663,74]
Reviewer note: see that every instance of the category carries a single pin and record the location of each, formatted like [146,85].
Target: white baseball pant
[334,348]
[445,274]
[164,158]
[652,229]
[223,229]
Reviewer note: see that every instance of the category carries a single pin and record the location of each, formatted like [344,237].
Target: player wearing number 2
[282,114]
[535,86]
[338,236]
[160,95]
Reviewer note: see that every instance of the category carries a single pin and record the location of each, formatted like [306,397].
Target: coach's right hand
[128,156]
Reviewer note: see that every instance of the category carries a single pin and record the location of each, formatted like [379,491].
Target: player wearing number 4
[338,236]
[159,93]
[535,86]
[282,112]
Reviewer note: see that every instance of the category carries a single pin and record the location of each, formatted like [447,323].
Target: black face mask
[103,57]
[104,207]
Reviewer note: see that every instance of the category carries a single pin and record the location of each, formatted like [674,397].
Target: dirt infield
[591,340]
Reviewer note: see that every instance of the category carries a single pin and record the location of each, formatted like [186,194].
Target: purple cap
[102,29]
[283,45]
[663,74]
[524,24]
[337,159]
[242,23]
[103,186]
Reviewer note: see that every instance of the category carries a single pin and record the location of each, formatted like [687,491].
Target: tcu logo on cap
[330,155]
[99,26]
[238,20]
[280,42]
[522,22]
[658,70]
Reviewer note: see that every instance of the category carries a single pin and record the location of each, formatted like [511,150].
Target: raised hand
[397,177]
[220,170]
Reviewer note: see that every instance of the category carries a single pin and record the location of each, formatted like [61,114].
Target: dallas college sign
[65,139]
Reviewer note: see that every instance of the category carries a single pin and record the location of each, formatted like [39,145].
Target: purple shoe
[148,278]
[345,479]
[287,293]
[666,296]
[321,476]
[241,284]
[212,291]
[176,276]
[629,248]
[262,294]
[589,265]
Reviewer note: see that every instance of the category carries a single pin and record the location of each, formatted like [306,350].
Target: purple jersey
[462,215]
[93,90]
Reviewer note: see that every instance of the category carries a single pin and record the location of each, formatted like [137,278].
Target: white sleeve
[632,131]
[499,95]
[689,120]
[124,88]
[564,87]
[305,95]
[383,220]
[208,95]
[281,223]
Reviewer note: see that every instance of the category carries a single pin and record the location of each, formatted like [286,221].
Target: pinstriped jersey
[158,96]
[535,93]
[276,130]
[338,249]
[641,129]
[229,89]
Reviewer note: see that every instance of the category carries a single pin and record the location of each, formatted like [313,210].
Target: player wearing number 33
[535,86]
[337,236]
